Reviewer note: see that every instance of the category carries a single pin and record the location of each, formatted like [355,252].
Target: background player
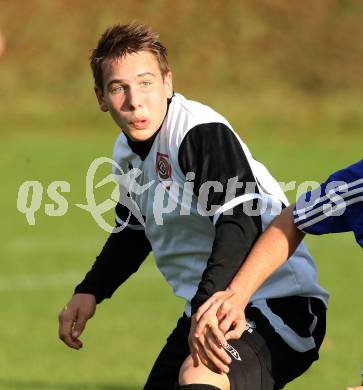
[2,44]
[335,206]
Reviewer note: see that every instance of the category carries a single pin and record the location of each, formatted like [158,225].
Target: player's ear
[168,84]
[101,101]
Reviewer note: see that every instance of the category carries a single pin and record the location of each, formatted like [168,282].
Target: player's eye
[146,84]
[117,89]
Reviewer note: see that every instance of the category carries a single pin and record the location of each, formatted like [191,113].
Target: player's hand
[355,388]
[219,319]
[208,350]
[73,317]
[228,308]
[2,44]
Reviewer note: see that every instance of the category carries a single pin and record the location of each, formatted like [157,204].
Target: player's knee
[197,387]
[201,378]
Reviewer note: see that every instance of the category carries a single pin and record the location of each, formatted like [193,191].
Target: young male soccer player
[335,206]
[199,190]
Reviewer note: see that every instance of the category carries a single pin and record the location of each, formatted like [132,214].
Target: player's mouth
[140,124]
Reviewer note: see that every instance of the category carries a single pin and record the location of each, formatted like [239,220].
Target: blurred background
[287,75]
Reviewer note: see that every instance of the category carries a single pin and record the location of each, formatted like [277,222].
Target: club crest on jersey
[163,167]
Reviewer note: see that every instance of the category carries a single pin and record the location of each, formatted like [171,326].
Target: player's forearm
[271,250]
[121,256]
[235,236]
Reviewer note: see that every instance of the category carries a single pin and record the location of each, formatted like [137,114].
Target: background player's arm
[120,257]
[271,250]
[282,237]
[279,241]
[2,44]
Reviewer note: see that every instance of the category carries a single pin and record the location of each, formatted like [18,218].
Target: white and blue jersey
[335,206]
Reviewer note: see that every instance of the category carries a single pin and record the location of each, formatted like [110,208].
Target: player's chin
[140,135]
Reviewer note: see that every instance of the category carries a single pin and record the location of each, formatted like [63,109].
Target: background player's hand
[73,317]
[2,44]
[208,350]
[228,308]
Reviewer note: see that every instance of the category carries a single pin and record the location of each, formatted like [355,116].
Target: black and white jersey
[200,200]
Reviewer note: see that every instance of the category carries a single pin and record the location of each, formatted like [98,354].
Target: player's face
[135,93]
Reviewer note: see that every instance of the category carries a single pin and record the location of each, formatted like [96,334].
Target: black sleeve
[121,256]
[214,153]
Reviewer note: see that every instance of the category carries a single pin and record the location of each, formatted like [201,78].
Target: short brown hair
[119,40]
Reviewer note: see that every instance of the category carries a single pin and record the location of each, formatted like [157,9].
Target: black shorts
[266,361]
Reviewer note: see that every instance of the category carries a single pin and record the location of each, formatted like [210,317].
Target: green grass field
[40,265]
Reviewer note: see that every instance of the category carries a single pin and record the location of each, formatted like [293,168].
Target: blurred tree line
[217,48]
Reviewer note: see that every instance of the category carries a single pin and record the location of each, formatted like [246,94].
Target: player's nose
[134,98]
